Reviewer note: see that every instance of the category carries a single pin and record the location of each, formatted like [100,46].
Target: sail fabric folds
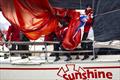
[33,17]
[38,17]
[107,20]
[73,34]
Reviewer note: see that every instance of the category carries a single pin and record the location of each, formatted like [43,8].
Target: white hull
[39,69]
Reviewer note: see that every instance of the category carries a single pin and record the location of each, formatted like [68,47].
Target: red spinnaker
[38,17]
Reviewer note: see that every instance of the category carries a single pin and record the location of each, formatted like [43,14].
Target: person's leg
[85,47]
[85,34]
[27,49]
[23,55]
[13,48]
[68,57]
[56,48]
[19,48]
[77,54]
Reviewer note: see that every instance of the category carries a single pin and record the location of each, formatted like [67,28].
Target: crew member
[88,25]
[13,34]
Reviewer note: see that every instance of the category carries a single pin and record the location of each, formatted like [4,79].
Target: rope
[107,12]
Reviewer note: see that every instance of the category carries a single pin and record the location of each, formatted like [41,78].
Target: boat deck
[41,59]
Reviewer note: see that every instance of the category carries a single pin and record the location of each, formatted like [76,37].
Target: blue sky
[4,24]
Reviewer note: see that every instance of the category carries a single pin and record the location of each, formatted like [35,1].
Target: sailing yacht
[41,65]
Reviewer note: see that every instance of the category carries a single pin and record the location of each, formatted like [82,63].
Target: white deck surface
[41,59]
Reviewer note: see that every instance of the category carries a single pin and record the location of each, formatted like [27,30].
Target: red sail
[73,36]
[33,17]
[37,17]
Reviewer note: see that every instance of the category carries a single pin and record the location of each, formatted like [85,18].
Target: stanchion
[46,56]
